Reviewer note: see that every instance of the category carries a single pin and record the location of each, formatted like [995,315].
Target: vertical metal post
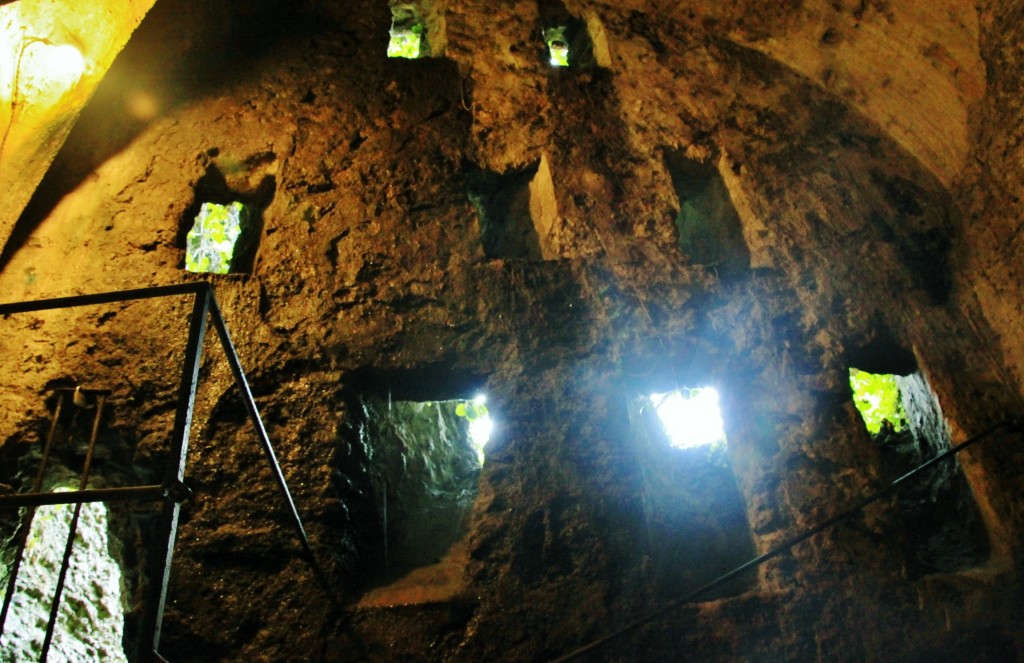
[69,546]
[160,560]
[26,521]
[384,509]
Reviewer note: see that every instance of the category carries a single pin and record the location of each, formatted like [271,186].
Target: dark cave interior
[747,196]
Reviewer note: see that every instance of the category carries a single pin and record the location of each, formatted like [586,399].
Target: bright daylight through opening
[558,46]
[90,624]
[877,398]
[405,43]
[691,417]
[480,423]
[212,240]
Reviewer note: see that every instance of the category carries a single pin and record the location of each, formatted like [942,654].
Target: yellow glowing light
[53,54]
[142,105]
[48,71]
[39,63]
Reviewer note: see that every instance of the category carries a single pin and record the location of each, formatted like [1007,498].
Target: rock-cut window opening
[691,417]
[406,41]
[695,517]
[558,46]
[212,242]
[90,621]
[516,211]
[408,34]
[709,228]
[877,398]
[426,458]
[945,532]
[567,38]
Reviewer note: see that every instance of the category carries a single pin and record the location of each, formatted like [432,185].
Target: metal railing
[173,491]
[1015,426]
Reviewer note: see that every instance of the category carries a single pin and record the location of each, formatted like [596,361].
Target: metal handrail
[173,490]
[785,546]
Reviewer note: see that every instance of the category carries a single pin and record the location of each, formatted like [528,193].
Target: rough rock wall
[371,279]
[987,196]
[987,261]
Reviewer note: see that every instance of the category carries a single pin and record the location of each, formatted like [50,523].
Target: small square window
[568,38]
[210,244]
[406,42]
[558,46]
[691,417]
[417,30]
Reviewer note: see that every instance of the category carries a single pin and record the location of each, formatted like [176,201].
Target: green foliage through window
[406,42]
[90,621]
[210,245]
[558,46]
[877,397]
[408,33]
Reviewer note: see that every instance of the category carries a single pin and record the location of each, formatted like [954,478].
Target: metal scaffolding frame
[173,491]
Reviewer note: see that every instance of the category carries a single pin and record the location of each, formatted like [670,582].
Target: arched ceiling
[912,69]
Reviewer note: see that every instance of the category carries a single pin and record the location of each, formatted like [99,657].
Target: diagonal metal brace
[261,432]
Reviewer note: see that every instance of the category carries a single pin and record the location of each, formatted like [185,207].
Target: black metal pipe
[26,521]
[160,560]
[44,462]
[122,494]
[778,550]
[104,297]
[69,545]
[384,513]
[261,431]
